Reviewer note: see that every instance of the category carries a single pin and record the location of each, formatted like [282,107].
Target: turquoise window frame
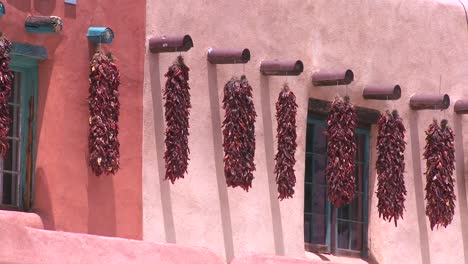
[365,210]
[28,68]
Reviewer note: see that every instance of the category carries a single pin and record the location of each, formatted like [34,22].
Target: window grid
[313,155]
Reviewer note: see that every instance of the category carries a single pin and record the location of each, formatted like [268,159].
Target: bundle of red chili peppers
[177,113]
[390,165]
[104,109]
[341,152]
[239,133]
[286,109]
[440,158]
[6,79]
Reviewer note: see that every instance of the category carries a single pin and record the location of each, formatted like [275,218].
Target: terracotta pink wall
[23,245]
[410,43]
[68,196]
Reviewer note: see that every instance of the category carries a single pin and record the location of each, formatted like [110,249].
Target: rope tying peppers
[104,106]
[341,152]
[239,133]
[286,109]
[439,153]
[390,165]
[6,78]
[177,96]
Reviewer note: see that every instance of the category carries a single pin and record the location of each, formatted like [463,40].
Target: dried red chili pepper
[6,78]
[286,109]
[177,113]
[439,153]
[390,165]
[239,133]
[104,107]
[341,152]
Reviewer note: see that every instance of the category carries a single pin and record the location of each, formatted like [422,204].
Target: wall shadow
[44,7]
[42,200]
[158,121]
[45,70]
[270,164]
[23,5]
[101,203]
[416,159]
[219,164]
[460,180]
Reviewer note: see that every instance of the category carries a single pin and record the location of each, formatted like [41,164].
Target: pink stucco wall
[411,43]
[68,196]
[24,245]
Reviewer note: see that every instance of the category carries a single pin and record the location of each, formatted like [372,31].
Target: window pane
[320,142]
[319,199]
[355,208]
[308,198]
[361,144]
[308,168]
[318,224]
[9,189]
[356,236]
[310,137]
[343,234]
[359,174]
[17,88]
[10,162]
[307,226]
[14,115]
[343,212]
[319,169]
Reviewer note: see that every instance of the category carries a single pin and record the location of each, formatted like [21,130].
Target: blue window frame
[17,169]
[340,231]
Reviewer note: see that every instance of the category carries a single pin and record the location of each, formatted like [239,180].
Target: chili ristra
[104,107]
[390,166]
[239,133]
[341,152]
[439,153]
[6,79]
[286,109]
[177,105]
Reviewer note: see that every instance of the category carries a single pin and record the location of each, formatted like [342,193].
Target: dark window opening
[340,231]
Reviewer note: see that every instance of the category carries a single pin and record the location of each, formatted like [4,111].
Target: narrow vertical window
[350,230]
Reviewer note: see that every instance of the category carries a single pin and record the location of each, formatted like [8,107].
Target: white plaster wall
[411,43]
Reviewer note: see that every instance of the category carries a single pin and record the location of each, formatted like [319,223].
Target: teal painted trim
[29,51]
[100,35]
[29,87]
[2,9]
[365,213]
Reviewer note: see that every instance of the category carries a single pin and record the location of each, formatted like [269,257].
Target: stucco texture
[23,245]
[67,195]
[411,43]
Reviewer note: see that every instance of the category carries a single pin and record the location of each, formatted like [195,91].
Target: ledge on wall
[21,218]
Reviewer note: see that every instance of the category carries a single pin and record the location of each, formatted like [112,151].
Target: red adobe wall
[68,197]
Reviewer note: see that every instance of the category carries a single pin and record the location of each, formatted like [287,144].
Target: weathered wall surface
[68,196]
[411,43]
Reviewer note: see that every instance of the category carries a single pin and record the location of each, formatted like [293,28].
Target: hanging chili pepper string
[104,107]
[239,133]
[286,110]
[6,79]
[177,105]
[341,151]
[390,166]
[440,158]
